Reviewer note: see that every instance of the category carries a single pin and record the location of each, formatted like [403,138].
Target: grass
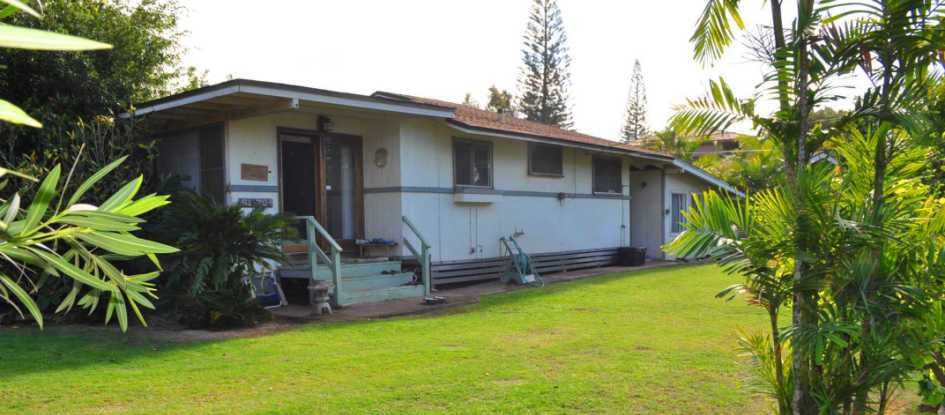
[647,342]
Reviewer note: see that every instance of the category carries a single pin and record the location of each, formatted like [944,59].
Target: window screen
[545,160]
[472,163]
[607,177]
[680,203]
[211,162]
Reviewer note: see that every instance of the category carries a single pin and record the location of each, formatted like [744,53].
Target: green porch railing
[315,253]
[422,255]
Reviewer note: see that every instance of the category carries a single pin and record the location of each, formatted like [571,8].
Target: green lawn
[648,342]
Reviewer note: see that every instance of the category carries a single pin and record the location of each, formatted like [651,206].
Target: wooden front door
[321,176]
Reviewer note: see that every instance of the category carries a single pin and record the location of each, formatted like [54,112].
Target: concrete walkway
[465,295]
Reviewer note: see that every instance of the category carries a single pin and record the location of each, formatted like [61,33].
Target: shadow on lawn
[25,351]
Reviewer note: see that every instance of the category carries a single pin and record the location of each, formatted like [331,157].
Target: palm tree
[752,238]
[795,82]
[894,42]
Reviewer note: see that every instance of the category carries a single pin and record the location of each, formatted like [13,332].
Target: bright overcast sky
[444,49]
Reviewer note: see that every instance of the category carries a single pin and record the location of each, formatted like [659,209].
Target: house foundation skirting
[484,269]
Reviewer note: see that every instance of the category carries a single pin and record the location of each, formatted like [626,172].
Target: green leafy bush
[142,63]
[206,283]
[88,146]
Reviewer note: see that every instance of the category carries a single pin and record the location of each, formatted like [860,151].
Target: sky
[446,48]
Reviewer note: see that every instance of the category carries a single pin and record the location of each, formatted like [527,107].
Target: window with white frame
[472,163]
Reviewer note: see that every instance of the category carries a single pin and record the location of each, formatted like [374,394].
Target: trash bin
[633,256]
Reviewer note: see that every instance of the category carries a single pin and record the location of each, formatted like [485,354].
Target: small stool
[318,294]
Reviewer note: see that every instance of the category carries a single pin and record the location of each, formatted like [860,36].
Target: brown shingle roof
[470,116]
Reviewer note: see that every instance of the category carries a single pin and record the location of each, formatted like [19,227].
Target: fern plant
[220,247]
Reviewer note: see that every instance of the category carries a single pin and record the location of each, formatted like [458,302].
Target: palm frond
[714,30]
[712,113]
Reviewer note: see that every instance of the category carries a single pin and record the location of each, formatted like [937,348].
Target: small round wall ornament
[380,158]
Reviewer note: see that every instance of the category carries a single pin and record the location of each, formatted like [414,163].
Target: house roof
[238,95]
[246,97]
[479,119]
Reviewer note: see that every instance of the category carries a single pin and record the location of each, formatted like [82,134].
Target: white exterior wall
[382,211]
[418,182]
[678,182]
[255,141]
[646,228]
[460,230]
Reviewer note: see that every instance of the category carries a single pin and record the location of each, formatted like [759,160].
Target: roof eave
[469,129]
[277,90]
[706,176]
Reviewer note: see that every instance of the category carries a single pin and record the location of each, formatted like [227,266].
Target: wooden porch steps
[363,282]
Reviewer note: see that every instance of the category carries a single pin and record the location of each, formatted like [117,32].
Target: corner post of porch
[425,269]
[312,247]
[336,274]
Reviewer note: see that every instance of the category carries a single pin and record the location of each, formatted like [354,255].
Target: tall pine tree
[544,80]
[634,127]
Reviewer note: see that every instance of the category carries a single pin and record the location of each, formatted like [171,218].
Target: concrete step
[347,270]
[375,281]
[350,297]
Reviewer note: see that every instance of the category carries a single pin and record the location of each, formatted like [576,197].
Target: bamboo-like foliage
[56,237]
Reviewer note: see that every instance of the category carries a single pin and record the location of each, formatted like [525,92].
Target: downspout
[662,210]
[227,194]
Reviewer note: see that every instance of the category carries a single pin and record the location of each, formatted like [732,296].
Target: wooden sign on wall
[254,172]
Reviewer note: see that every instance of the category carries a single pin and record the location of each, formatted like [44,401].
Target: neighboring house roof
[823,155]
[721,143]
[724,136]
[721,136]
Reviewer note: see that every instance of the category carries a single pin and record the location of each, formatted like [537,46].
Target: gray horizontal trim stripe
[254,188]
[485,191]
[408,189]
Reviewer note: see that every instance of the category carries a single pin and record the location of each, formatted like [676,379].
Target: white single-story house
[369,167]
